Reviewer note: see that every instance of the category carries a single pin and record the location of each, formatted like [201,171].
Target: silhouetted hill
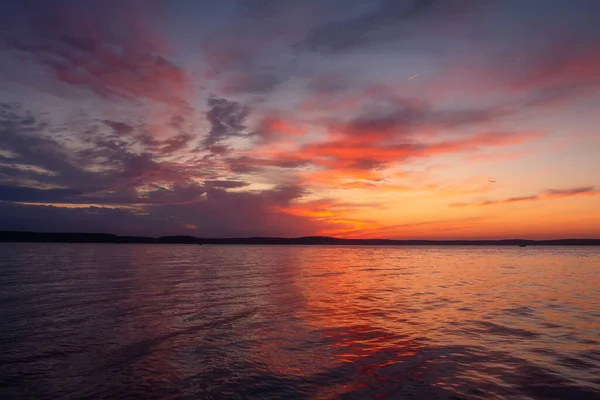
[178,239]
[12,236]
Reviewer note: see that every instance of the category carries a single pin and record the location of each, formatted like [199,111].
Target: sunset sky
[386,118]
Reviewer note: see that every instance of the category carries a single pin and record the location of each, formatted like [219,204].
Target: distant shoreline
[56,237]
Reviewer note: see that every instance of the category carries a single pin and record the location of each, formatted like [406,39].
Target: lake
[298,322]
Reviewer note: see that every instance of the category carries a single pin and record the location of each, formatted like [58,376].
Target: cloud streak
[550,194]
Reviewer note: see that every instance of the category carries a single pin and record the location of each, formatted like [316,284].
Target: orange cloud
[350,155]
[277,124]
[332,214]
[334,177]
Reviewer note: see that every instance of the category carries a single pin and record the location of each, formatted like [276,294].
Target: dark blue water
[234,322]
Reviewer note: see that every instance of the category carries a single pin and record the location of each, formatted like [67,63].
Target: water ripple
[293,322]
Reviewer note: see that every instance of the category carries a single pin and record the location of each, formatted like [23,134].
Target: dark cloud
[146,194]
[136,189]
[27,137]
[255,80]
[176,143]
[218,149]
[250,51]
[516,199]
[87,164]
[120,128]
[224,213]
[177,122]
[224,184]
[218,214]
[245,70]
[571,192]
[227,119]
[42,218]
[382,21]
[245,164]
[386,121]
[397,118]
[33,195]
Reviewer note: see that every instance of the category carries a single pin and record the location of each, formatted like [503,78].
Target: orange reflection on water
[317,322]
[368,322]
[382,307]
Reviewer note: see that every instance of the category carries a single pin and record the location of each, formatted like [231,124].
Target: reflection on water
[291,322]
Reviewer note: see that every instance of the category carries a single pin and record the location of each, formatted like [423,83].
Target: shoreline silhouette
[76,237]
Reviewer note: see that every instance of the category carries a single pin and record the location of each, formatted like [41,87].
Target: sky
[405,119]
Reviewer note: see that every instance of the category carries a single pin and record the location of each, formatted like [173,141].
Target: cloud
[23,217]
[349,155]
[375,136]
[250,51]
[178,115]
[120,128]
[567,63]
[100,53]
[219,214]
[482,140]
[246,164]
[97,162]
[424,229]
[138,189]
[388,130]
[384,20]
[33,195]
[117,60]
[227,119]
[545,63]
[42,157]
[550,194]
[273,127]
[225,184]
[176,143]
[334,215]
[394,118]
[558,193]
[565,73]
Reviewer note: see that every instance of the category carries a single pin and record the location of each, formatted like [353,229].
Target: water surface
[292,322]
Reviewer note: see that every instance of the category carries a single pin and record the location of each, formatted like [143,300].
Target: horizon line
[7,235]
